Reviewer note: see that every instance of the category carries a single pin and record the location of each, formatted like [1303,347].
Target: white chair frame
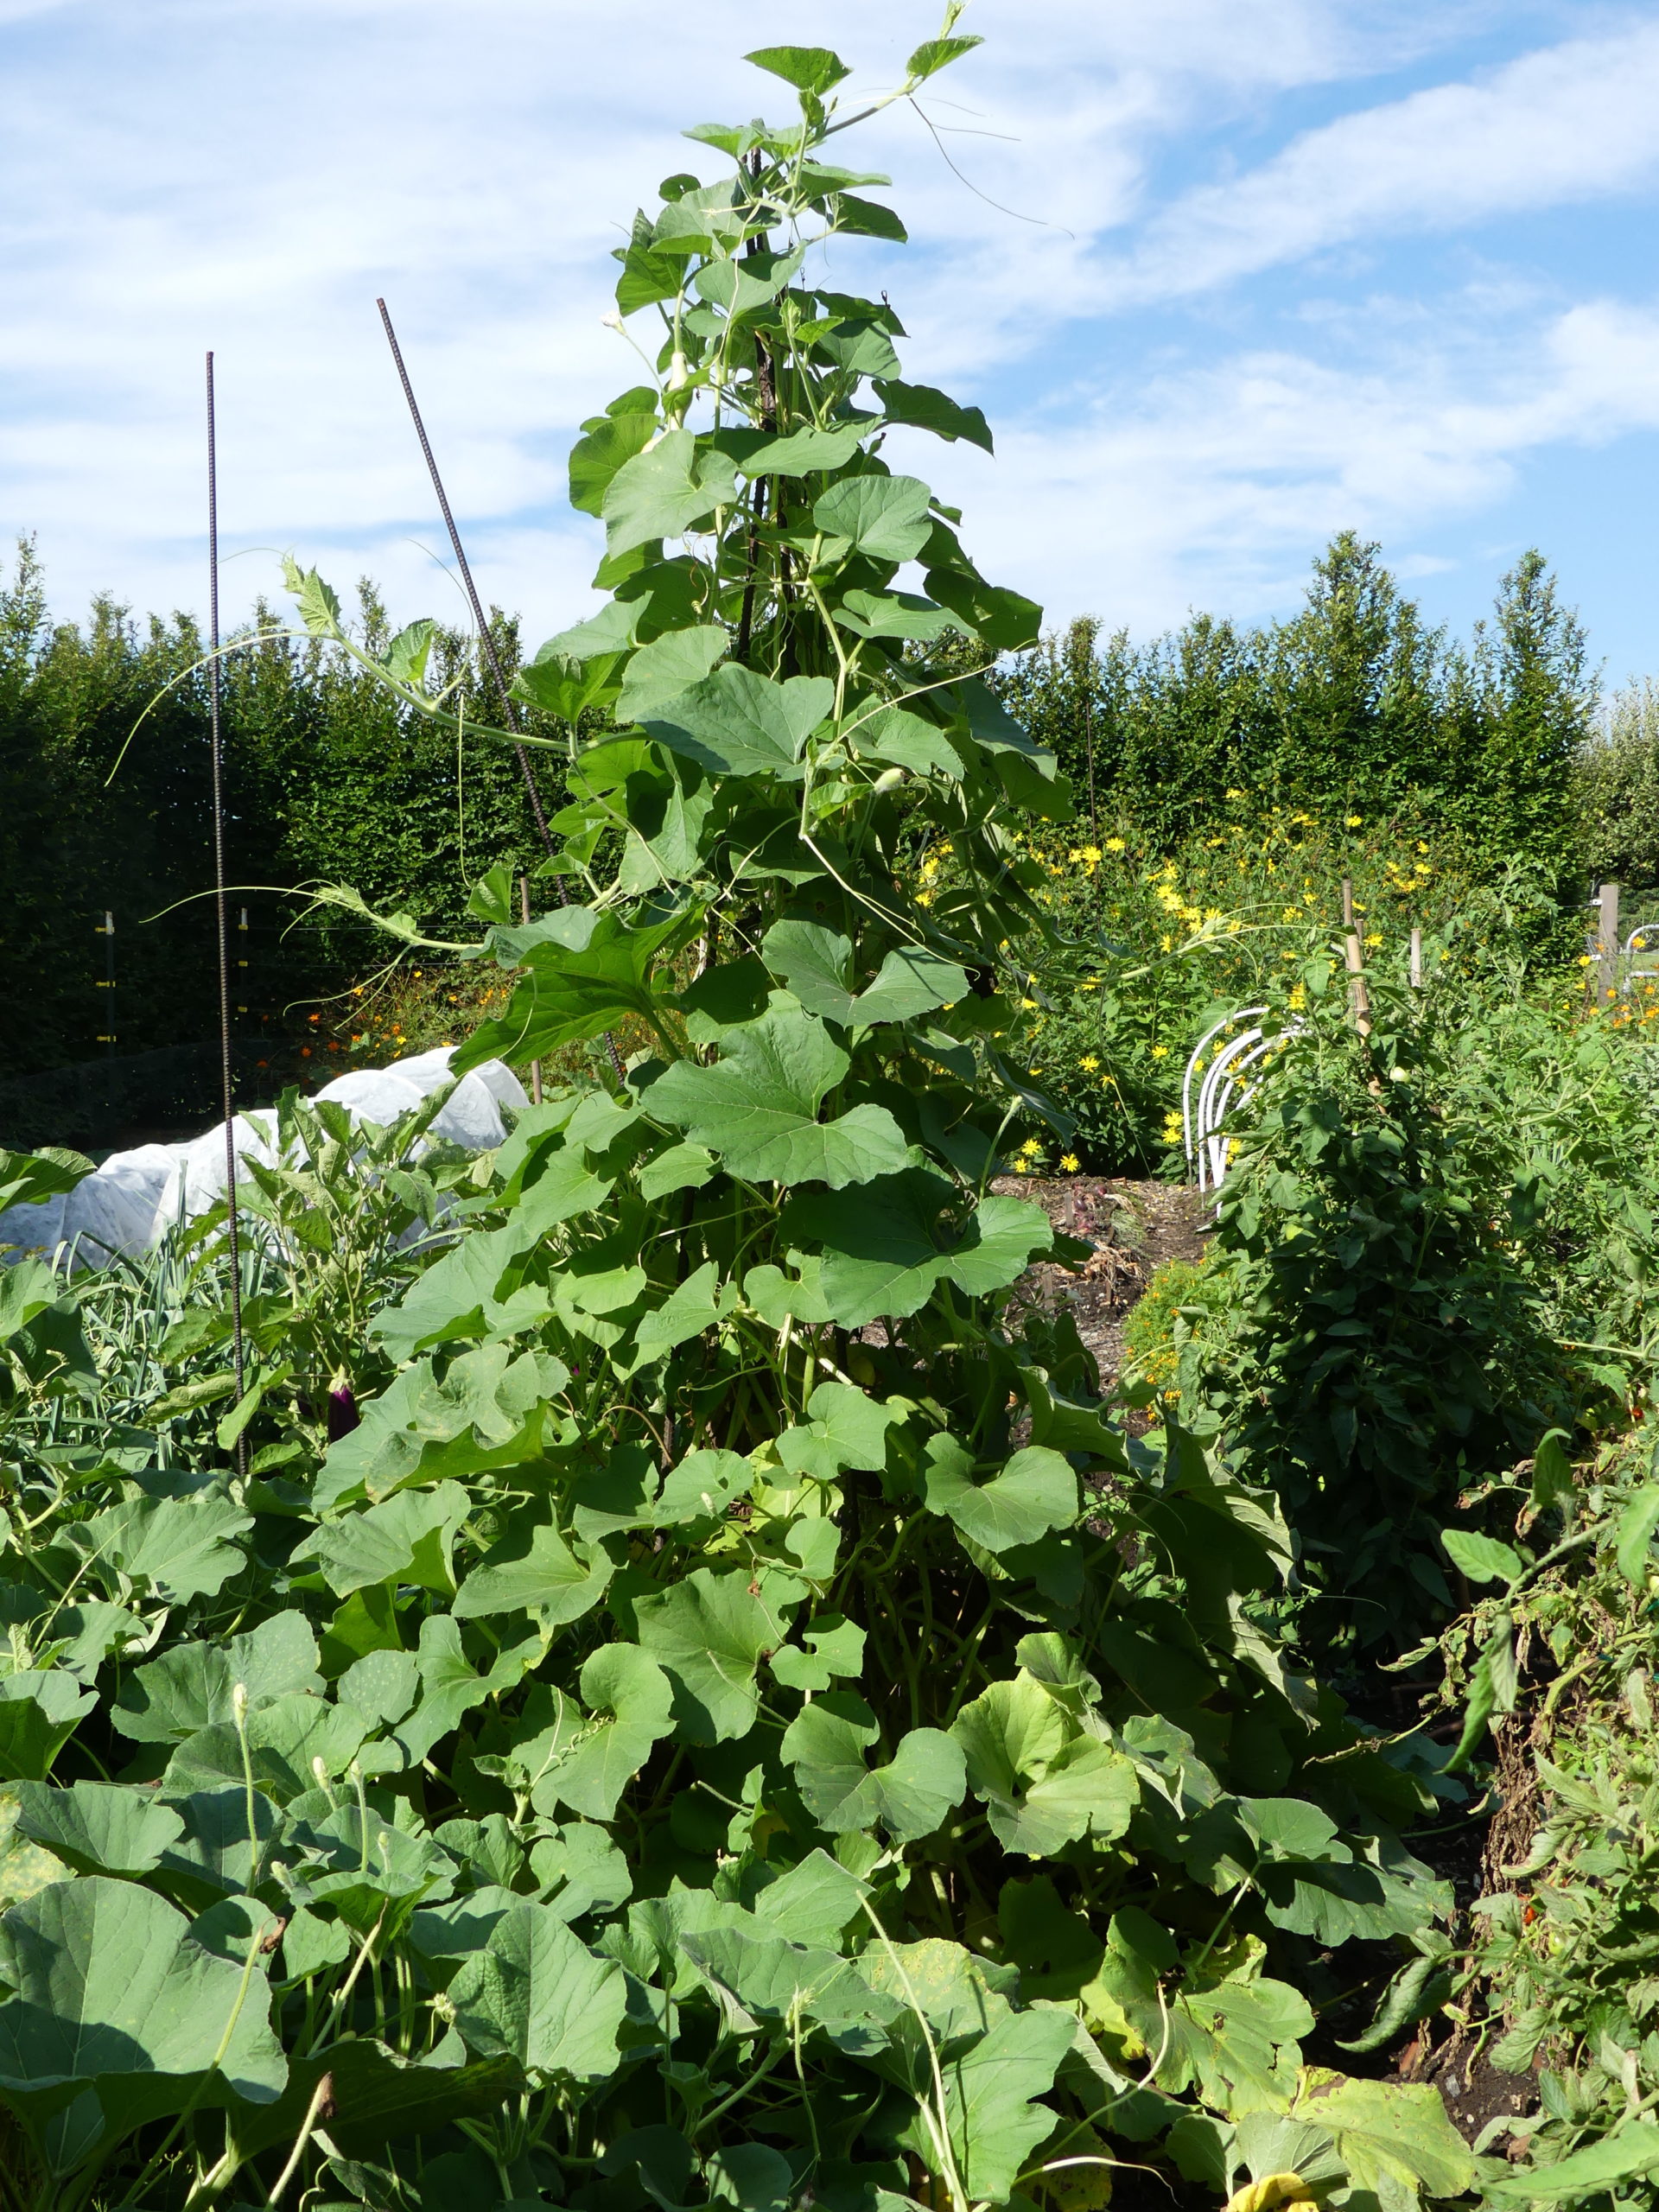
[1222,1086]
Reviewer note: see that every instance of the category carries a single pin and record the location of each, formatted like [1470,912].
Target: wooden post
[1416,960]
[1359,998]
[535,1066]
[1607,946]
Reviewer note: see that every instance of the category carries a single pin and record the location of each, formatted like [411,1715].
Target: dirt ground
[1133,1226]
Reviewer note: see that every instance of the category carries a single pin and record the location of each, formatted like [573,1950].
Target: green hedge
[1352,706]
[326,780]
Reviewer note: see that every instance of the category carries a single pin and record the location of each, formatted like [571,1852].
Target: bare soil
[1135,1227]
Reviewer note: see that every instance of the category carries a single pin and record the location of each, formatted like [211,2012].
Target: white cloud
[1214,488]
[1570,121]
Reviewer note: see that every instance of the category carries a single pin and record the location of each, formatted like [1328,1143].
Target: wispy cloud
[1214,487]
[1572,122]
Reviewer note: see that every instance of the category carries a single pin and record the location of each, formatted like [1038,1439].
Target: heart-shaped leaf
[758,1107]
[908,1797]
[106,1981]
[536,1994]
[1037,1490]
[738,723]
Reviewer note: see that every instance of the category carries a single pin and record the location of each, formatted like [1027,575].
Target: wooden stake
[1416,960]
[1358,997]
[1606,946]
[524,916]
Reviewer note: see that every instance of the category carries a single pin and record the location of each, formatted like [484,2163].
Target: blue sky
[1275,267]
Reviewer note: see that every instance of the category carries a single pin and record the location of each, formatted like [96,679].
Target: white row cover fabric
[136,1197]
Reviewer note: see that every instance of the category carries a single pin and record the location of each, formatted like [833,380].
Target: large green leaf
[586,1762]
[815,963]
[661,491]
[1395,2137]
[1042,1788]
[990,2092]
[776,1981]
[456,1297]
[758,1107]
[886,1248]
[805,450]
[284,1739]
[691,1306]
[451,1687]
[596,457]
[188,1688]
[738,723]
[566,995]
[180,1547]
[98,1828]
[38,1713]
[29,1179]
[1035,1491]
[739,282]
[668,666]
[487,1412]
[710,1632]
[826,1743]
[532,1569]
[107,1981]
[810,68]
[536,1994]
[895,734]
[884,517]
[409,1539]
[928,409]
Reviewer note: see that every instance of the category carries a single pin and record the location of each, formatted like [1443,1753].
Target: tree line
[1350,705]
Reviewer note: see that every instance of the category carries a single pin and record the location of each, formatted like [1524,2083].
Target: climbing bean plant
[734,1722]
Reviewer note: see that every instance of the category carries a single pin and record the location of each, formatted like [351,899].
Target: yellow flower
[1091,855]
[1114,844]
[1373,937]
[1235,794]
[1071,1163]
[1351,820]
[1160,1052]
[924,898]
[1298,997]
[1032,1144]
[1291,914]
[1167,941]
[1089,1062]
[1028,1004]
